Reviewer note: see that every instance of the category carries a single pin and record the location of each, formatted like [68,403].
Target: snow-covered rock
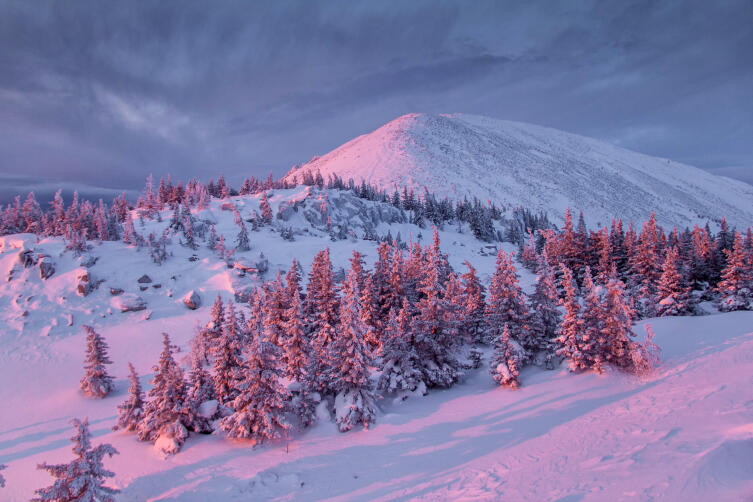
[128,302]
[46,267]
[192,300]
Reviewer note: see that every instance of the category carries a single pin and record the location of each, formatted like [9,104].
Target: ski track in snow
[684,433]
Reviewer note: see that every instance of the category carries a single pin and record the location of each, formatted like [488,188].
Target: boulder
[26,257]
[116,291]
[87,260]
[192,300]
[46,267]
[128,303]
[84,286]
[144,279]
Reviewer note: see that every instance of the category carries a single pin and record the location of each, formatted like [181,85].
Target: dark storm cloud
[102,93]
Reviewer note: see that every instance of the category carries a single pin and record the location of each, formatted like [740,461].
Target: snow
[683,433]
[536,167]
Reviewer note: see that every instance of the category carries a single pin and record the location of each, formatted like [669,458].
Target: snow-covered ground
[684,433]
[535,167]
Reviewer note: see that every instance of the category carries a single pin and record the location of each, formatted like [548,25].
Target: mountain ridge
[544,169]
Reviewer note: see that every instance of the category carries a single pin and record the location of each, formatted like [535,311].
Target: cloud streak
[105,93]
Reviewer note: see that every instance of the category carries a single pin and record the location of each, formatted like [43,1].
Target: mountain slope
[536,167]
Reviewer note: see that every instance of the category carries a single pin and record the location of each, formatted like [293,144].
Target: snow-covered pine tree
[166,412]
[228,358]
[616,327]
[297,353]
[295,342]
[506,362]
[545,318]
[83,478]
[131,411]
[645,268]
[435,340]
[320,310]
[261,404]
[96,381]
[200,390]
[506,305]
[528,256]
[348,374]
[571,329]
[266,209]
[592,339]
[735,287]
[398,355]
[473,305]
[674,296]
[276,304]
[241,241]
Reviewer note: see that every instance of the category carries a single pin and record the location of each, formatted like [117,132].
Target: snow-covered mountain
[536,167]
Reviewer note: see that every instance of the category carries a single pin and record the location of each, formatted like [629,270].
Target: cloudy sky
[99,94]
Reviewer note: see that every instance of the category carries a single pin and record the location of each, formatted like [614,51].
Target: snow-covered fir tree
[321,314]
[507,305]
[200,390]
[296,352]
[617,346]
[506,361]
[736,288]
[131,411]
[398,355]
[473,305]
[266,209]
[96,381]
[260,406]
[674,296]
[348,374]
[545,318]
[241,241]
[227,357]
[592,339]
[434,325]
[571,329]
[82,479]
[166,413]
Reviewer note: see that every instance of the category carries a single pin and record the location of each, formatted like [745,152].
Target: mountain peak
[543,169]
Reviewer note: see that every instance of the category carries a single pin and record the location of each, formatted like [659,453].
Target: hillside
[683,432]
[536,167]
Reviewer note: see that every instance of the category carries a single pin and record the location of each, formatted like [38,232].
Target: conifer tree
[200,389]
[296,353]
[347,375]
[83,478]
[434,326]
[260,406]
[241,241]
[545,316]
[735,287]
[166,412]
[592,339]
[266,209]
[96,381]
[321,314]
[506,360]
[473,305]
[571,328]
[616,346]
[276,304]
[399,365]
[506,304]
[227,358]
[131,411]
[674,296]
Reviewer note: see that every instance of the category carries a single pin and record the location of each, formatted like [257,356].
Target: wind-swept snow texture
[535,167]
